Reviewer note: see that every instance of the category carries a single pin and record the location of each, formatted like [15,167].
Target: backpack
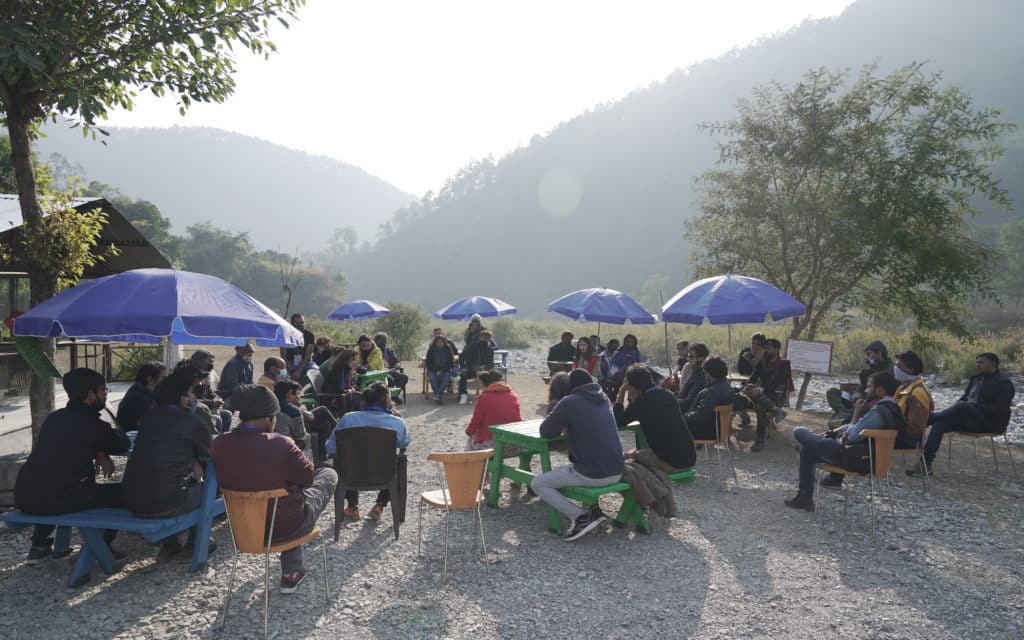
[856,456]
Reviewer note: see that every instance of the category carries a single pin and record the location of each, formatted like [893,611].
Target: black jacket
[562,352]
[743,367]
[662,424]
[445,354]
[994,398]
[60,469]
[479,355]
[156,478]
[586,416]
[701,417]
[693,385]
[884,364]
[137,402]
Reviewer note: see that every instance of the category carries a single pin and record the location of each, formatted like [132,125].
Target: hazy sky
[411,90]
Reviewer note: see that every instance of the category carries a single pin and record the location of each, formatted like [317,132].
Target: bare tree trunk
[43,285]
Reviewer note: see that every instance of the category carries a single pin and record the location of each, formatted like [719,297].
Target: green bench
[630,511]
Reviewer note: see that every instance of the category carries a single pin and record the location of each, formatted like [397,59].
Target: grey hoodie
[586,416]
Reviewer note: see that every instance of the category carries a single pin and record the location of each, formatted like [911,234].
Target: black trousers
[352,497]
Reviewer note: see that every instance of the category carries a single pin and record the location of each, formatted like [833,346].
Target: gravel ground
[734,564]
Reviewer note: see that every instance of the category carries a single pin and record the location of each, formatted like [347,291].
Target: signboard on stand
[809,356]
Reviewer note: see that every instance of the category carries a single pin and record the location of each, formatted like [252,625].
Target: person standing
[297,358]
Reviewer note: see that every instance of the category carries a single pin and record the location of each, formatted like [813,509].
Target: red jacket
[497,404]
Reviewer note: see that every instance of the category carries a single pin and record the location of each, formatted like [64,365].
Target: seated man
[376,412]
[476,357]
[701,419]
[237,371]
[161,479]
[586,417]
[750,356]
[769,389]
[300,420]
[814,448]
[204,389]
[439,333]
[695,356]
[606,359]
[369,355]
[60,474]
[563,354]
[297,359]
[139,399]
[273,368]
[841,399]
[281,466]
[670,444]
[396,375]
[983,408]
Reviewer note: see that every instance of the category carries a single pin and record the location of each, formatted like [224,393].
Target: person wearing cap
[163,475]
[60,474]
[841,399]
[586,417]
[476,357]
[204,389]
[281,465]
[140,399]
[237,371]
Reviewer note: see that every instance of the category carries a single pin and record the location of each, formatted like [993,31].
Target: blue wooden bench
[91,524]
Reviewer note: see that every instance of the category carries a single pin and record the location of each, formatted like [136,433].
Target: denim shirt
[870,420]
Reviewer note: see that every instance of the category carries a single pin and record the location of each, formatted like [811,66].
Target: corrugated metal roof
[10,209]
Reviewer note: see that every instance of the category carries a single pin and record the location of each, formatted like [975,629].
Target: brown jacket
[651,487]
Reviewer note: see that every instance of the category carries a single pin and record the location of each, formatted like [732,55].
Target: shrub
[131,358]
[405,326]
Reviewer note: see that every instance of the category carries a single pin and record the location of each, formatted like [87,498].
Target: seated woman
[558,388]
[322,351]
[629,354]
[440,361]
[340,389]
[377,412]
[497,404]
[587,359]
[671,446]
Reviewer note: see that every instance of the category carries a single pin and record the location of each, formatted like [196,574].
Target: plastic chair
[992,441]
[462,486]
[880,448]
[918,454]
[247,520]
[367,461]
[723,428]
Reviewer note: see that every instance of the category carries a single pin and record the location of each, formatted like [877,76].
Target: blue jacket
[236,372]
[586,417]
[371,417]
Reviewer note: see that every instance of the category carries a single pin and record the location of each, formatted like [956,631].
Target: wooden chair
[880,447]
[366,460]
[247,520]
[723,427]
[462,486]
[992,441]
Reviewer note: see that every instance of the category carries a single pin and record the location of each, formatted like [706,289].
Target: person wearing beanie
[476,325]
[60,473]
[251,457]
[586,417]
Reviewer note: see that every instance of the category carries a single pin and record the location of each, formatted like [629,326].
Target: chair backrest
[315,379]
[464,472]
[723,413]
[884,441]
[247,513]
[367,457]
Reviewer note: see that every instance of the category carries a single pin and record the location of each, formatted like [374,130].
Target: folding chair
[992,441]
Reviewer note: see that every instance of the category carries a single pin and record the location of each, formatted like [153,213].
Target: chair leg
[888,495]
[266,594]
[995,463]
[231,584]
[871,499]
[924,476]
[1009,453]
[732,463]
[327,587]
[817,489]
[419,537]
[447,518]
[483,543]
[977,465]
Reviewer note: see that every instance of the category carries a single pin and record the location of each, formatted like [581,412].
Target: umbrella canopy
[602,305]
[145,305]
[358,310]
[730,299]
[463,309]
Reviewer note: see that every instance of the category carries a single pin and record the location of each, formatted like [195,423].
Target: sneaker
[833,481]
[291,582]
[584,525]
[375,512]
[463,399]
[350,513]
[916,470]
[758,445]
[37,554]
[438,400]
[800,501]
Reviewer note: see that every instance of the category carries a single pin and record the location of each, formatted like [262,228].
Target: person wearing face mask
[139,399]
[237,371]
[208,400]
[163,476]
[841,399]
[60,474]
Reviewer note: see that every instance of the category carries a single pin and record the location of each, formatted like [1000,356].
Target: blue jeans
[439,383]
[814,449]
[962,416]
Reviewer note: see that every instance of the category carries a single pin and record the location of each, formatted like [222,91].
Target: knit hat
[79,382]
[878,346]
[254,401]
[476,316]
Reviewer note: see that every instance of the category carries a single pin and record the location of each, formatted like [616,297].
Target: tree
[854,196]
[80,58]
[216,252]
[144,216]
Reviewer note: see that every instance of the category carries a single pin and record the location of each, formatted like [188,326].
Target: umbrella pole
[172,354]
[730,339]
[668,355]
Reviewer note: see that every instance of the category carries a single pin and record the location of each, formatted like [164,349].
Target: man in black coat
[60,473]
[701,419]
[657,411]
[984,408]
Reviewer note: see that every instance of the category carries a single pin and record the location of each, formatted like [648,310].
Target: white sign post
[809,356]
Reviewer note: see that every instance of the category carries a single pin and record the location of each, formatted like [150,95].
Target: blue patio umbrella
[358,310]
[145,305]
[730,299]
[601,305]
[464,308]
